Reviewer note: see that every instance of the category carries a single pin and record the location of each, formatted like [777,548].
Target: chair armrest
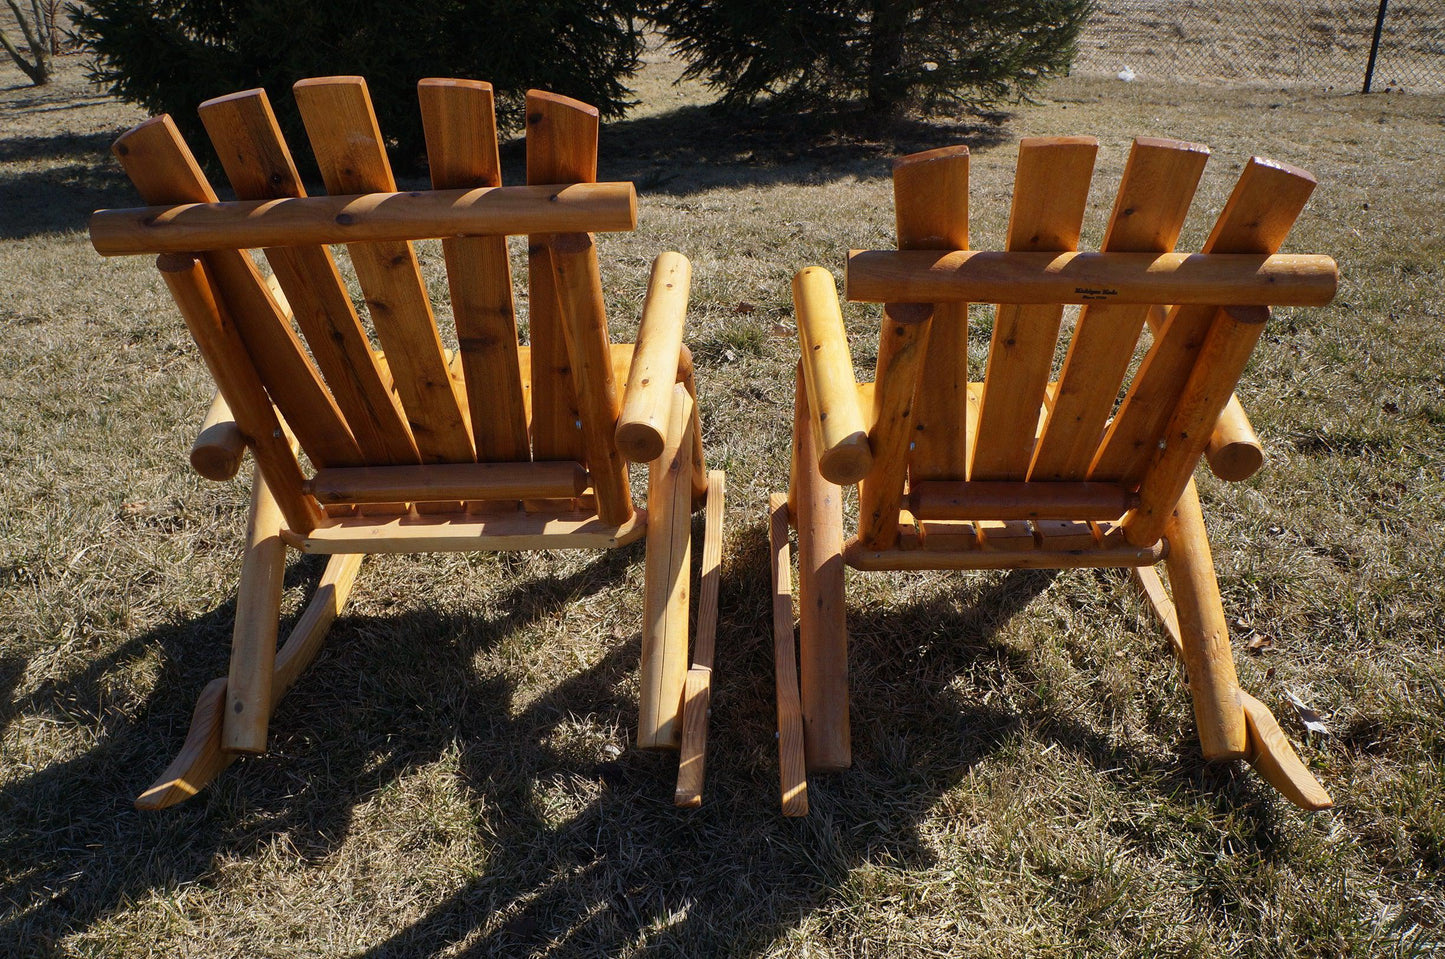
[647,397]
[1234,452]
[219,446]
[839,434]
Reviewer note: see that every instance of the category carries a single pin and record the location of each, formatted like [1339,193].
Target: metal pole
[1375,45]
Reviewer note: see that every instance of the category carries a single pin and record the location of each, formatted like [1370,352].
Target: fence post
[1375,45]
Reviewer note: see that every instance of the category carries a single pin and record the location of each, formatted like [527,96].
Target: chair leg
[822,618]
[668,566]
[792,767]
[1203,633]
[253,641]
[202,758]
[697,692]
[1268,750]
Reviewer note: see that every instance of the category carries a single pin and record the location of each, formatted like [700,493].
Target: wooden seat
[412,447]
[1028,469]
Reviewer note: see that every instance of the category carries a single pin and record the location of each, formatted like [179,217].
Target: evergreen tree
[886,54]
[169,55]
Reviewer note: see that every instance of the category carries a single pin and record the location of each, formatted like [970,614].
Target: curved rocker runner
[494,446]
[1018,471]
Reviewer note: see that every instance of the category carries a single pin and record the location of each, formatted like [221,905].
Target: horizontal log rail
[1217,279]
[859,556]
[445,482]
[941,499]
[365,218]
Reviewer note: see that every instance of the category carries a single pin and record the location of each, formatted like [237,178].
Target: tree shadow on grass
[54,183]
[625,868]
[697,148]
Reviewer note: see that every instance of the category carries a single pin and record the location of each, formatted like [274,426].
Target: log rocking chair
[414,448]
[1017,471]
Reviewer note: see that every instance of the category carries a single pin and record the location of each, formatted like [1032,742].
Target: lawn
[455,775]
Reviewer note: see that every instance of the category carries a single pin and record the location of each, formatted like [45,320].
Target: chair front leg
[666,581]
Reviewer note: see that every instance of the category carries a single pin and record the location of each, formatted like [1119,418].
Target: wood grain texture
[930,202]
[902,346]
[230,364]
[253,640]
[1204,632]
[350,153]
[258,163]
[1157,188]
[792,767]
[666,587]
[839,433]
[164,171]
[561,148]
[1272,756]
[443,482]
[1258,215]
[822,607]
[459,122]
[216,454]
[697,691]
[647,397]
[584,323]
[1051,189]
[559,528]
[1220,361]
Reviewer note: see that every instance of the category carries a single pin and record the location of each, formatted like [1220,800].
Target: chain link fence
[1323,43]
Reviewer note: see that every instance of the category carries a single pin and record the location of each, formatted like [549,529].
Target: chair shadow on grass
[628,868]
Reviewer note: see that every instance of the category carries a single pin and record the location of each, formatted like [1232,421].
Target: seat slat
[1051,189]
[161,166]
[342,127]
[459,120]
[931,201]
[561,148]
[255,157]
[1154,197]
[1264,205]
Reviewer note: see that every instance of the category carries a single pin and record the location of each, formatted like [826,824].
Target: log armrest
[656,361]
[839,433]
[1234,452]
[219,446]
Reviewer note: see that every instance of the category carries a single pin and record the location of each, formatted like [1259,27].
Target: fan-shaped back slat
[258,163]
[930,196]
[164,171]
[1051,189]
[349,150]
[1154,197]
[561,148]
[1264,205]
[459,121]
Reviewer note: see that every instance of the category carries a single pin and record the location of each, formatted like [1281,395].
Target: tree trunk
[39,70]
[887,87]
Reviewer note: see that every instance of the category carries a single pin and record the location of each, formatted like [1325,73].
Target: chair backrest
[1067,452]
[408,404]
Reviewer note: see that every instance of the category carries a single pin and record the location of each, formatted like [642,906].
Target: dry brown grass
[446,778]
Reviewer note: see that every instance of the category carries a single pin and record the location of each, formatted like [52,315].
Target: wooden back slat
[579,291]
[1051,189]
[349,150]
[930,196]
[1264,205]
[258,163]
[164,171]
[1154,197]
[561,148]
[459,120]
[238,381]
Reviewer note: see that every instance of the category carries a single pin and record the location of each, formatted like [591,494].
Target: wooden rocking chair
[1017,471]
[496,447]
